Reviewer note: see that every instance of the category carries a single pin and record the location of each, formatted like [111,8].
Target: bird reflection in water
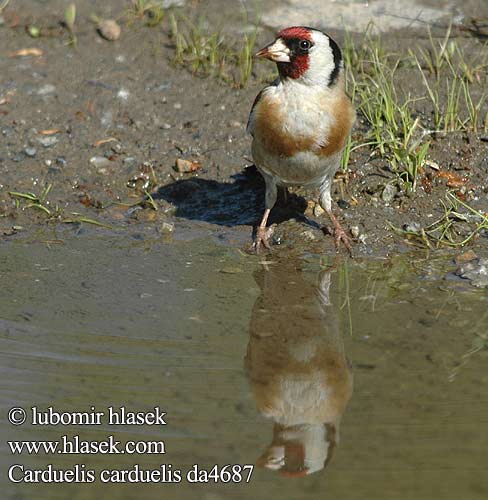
[297,368]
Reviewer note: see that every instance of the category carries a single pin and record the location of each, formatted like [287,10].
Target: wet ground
[361,378]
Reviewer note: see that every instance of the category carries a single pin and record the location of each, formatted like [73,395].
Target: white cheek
[321,62]
[282,57]
[321,67]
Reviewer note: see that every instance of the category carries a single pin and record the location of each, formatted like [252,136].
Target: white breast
[303,112]
[304,109]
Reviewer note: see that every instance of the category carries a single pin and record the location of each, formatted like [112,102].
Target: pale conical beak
[276,51]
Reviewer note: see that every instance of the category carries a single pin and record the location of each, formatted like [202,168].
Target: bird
[300,123]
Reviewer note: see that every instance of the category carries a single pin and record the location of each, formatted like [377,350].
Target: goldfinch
[301,122]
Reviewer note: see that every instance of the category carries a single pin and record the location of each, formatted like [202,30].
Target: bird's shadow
[235,203]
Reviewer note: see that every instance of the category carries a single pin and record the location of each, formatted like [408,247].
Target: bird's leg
[325,201]
[340,235]
[263,233]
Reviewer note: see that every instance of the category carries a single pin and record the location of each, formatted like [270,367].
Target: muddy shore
[102,124]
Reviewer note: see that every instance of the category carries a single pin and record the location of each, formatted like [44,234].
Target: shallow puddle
[345,379]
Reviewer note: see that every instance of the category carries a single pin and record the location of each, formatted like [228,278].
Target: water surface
[348,379]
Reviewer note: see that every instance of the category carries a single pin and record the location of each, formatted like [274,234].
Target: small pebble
[47,141]
[310,206]
[476,271]
[355,231]
[167,227]
[30,152]
[343,204]
[389,192]
[47,89]
[308,235]
[318,210]
[99,162]
[61,161]
[109,29]
[412,227]
[185,166]
[123,94]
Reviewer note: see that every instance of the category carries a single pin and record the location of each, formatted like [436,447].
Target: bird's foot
[262,238]
[340,236]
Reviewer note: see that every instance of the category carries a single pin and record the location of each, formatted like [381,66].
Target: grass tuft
[27,200]
[149,11]
[398,127]
[460,224]
[209,53]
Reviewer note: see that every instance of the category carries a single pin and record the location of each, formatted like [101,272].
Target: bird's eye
[304,44]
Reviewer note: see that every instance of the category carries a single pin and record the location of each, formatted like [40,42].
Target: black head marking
[298,46]
[336,53]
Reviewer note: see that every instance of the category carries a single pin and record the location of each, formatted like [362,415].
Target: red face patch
[299,63]
[295,68]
